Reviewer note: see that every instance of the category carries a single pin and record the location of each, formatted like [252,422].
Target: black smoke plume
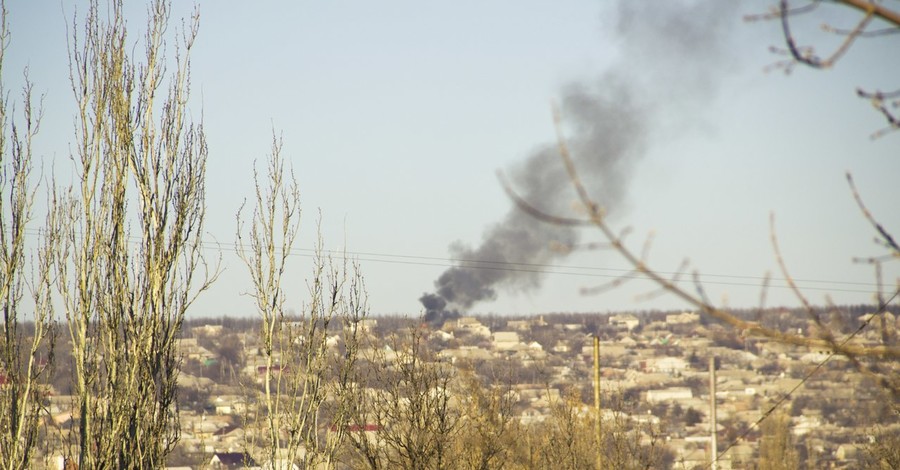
[672,56]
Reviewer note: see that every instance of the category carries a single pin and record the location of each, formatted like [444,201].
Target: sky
[396,117]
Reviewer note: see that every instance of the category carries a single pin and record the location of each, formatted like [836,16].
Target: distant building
[230,404]
[525,325]
[368,324]
[465,352]
[229,460]
[521,325]
[506,340]
[890,320]
[669,365]
[669,394]
[625,320]
[190,349]
[472,325]
[685,318]
[208,330]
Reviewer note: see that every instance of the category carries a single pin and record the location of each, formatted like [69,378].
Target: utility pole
[713,446]
[597,402]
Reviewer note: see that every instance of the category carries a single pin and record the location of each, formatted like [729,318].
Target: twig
[888,239]
[606,287]
[809,58]
[534,211]
[685,263]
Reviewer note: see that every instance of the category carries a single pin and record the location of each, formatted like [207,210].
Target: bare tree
[883,449]
[876,19]
[25,347]
[631,441]
[404,416]
[302,369]
[776,448]
[567,438]
[488,427]
[130,261]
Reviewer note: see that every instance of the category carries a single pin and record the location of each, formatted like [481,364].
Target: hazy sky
[396,116]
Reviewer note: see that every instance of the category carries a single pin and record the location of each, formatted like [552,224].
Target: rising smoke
[672,56]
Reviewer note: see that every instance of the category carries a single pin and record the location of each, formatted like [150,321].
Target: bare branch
[778,12]
[676,277]
[870,9]
[699,300]
[875,8]
[885,235]
[534,211]
[617,282]
[862,34]
[806,56]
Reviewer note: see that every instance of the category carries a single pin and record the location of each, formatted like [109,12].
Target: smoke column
[672,56]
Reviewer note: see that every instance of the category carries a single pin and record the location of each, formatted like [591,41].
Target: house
[367,325]
[528,355]
[625,320]
[332,341]
[190,349]
[506,340]
[223,460]
[685,318]
[186,380]
[465,352]
[473,326]
[526,325]
[617,349]
[668,365]
[230,404]
[521,325]
[669,394]
[272,372]
[203,427]
[873,318]
[441,335]
[368,431]
[208,330]
[230,436]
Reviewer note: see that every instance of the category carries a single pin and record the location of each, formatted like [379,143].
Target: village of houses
[660,361]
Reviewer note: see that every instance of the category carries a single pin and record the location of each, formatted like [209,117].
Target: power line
[539,268]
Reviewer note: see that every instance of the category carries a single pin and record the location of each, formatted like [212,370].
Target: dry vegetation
[121,251]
